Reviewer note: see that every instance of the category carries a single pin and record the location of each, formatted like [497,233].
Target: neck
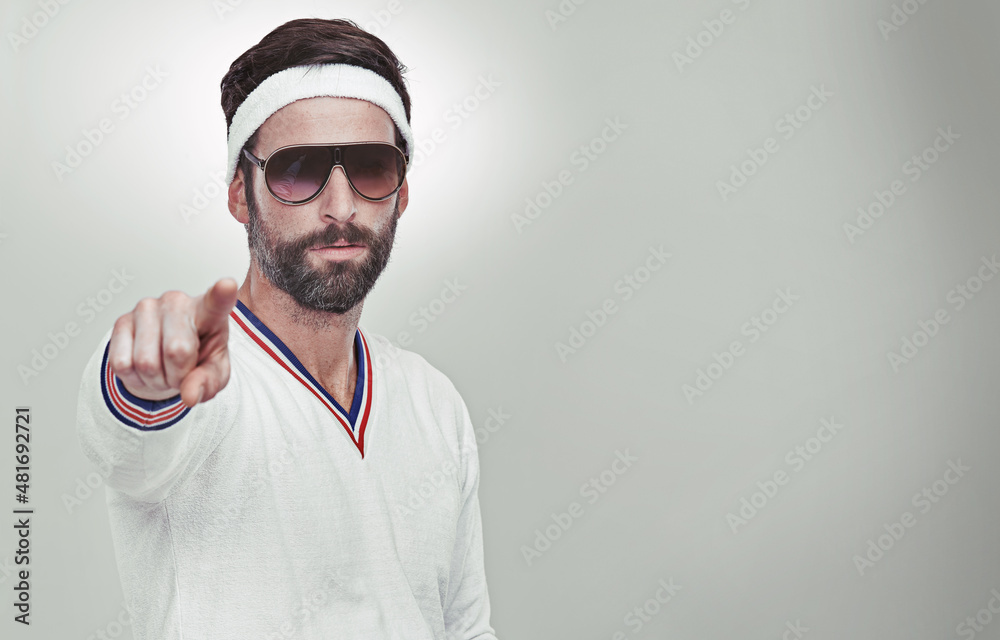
[323,341]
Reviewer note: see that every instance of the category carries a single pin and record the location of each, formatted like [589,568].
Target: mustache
[349,233]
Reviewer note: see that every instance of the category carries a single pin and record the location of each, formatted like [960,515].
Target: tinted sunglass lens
[375,170]
[297,173]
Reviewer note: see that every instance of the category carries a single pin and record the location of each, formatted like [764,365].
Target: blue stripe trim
[359,385]
[352,415]
[151,406]
[148,405]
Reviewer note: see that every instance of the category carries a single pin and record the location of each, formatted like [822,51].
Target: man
[264,452]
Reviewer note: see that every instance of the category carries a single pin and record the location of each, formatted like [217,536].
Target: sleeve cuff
[144,415]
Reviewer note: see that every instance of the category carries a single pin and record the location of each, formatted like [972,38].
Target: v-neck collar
[354,421]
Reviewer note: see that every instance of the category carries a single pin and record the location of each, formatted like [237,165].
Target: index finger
[212,310]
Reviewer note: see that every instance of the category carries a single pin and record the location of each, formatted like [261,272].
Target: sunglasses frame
[335,153]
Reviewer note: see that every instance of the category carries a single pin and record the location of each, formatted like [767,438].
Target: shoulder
[409,378]
[400,364]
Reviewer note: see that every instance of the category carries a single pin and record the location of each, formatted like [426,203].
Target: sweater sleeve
[144,447]
[467,608]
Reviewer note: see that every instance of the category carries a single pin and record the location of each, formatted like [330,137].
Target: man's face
[328,253]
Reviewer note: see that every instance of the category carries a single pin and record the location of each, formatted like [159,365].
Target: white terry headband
[312,81]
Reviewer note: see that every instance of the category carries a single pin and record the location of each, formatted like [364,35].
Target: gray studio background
[824,555]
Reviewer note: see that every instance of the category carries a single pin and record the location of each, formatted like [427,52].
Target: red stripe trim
[368,393]
[141,416]
[308,386]
[146,418]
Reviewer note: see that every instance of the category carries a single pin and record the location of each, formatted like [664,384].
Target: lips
[339,245]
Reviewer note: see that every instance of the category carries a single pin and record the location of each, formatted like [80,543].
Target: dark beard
[336,287]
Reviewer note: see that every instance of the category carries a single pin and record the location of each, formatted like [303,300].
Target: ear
[404,197]
[238,198]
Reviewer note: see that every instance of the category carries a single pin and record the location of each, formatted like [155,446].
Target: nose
[337,201]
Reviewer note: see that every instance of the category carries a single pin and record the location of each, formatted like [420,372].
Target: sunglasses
[297,174]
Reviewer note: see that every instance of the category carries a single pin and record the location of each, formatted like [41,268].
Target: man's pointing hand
[175,344]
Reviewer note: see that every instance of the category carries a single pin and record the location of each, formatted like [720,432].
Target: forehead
[325,119]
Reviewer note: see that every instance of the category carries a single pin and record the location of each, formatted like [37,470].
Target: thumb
[212,309]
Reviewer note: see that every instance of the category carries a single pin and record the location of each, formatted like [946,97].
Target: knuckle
[178,350]
[146,365]
[147,305]
[175,299]
[120,365]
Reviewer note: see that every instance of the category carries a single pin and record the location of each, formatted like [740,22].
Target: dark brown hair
[303,42]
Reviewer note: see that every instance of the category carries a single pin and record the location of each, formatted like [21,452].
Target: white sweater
[269,512]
